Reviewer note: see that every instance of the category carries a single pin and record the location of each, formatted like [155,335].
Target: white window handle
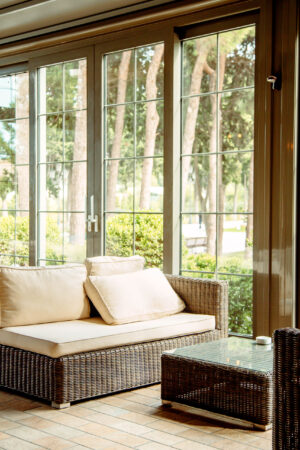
[92,218]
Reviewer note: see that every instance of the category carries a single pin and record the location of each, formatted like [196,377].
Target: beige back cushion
[40,294]
[112,265]
[132,297]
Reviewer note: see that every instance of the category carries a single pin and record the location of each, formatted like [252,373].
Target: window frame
[275,289]
[132,40]
[135,158]
[14,70]
[215,27]
[34,65]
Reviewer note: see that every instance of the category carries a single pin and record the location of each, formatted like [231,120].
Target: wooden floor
[133,419]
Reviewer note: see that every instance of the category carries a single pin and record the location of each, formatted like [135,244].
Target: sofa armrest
[203,297]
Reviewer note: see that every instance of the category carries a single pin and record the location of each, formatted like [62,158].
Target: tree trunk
[222,187]
[192,112]
[249,228]
[212,174]
[119,125]
[78,174]
[22,144]
[210,220]
[152,121]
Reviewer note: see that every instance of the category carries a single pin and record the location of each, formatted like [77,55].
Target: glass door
[133,150]
[217,164]
[62,162]
[14,169]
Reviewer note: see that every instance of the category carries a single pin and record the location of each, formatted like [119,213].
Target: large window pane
[199,242]
[199,192]
[74,239]
[237,58]
[119,185]
[14,100]
[53,78]
[21,186]
[119,235]
[150,63]
[119,86]
[74,73]
[235,243]
[148,230]
[196,52]
[62,168]
[236,120]
[217,159]
[119,131]
[75,139]
[51,143]
[133,127]
[236,182]
[199,124]
[149,192]
[150,122]
[14,169]
[51,237]
[240,308]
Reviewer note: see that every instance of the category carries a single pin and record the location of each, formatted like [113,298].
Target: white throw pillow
[132,297]
[35,295]
[112,265]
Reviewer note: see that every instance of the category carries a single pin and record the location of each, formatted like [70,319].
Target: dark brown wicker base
[76,377]
[244,394]
[286,421]
[85,375]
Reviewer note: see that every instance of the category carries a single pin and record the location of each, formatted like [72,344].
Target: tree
[152,120]
[119,125]
[249,227]
[203,46]
[77,176]
[22,142]
[233,121]
[236,131]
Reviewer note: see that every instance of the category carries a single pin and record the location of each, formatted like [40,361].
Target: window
[133,152]
[62,162]
[14,169]
[217,159]
[156,124]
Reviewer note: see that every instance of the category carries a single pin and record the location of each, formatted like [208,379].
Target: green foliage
[200,263]
[240,304]
[11,231]
[148,233]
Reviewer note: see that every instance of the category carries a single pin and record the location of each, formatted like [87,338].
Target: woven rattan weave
[74,377]
[230,377]
[286,379]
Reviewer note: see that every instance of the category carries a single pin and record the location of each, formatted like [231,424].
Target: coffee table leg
[166,403]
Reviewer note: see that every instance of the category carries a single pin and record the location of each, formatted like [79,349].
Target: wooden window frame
[274,253]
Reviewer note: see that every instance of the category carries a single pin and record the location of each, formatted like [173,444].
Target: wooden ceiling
[27,18]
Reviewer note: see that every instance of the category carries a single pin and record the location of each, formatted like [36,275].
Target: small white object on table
[263,340]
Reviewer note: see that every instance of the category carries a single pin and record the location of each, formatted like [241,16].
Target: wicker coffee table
[228,378]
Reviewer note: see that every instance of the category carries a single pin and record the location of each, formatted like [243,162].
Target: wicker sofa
[286,380]
[75,376]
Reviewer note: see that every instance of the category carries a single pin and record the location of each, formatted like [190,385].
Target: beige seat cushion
[133,297]
[36,295]
[112,265]
[65,338]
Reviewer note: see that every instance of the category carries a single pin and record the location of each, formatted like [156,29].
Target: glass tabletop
[233,351]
